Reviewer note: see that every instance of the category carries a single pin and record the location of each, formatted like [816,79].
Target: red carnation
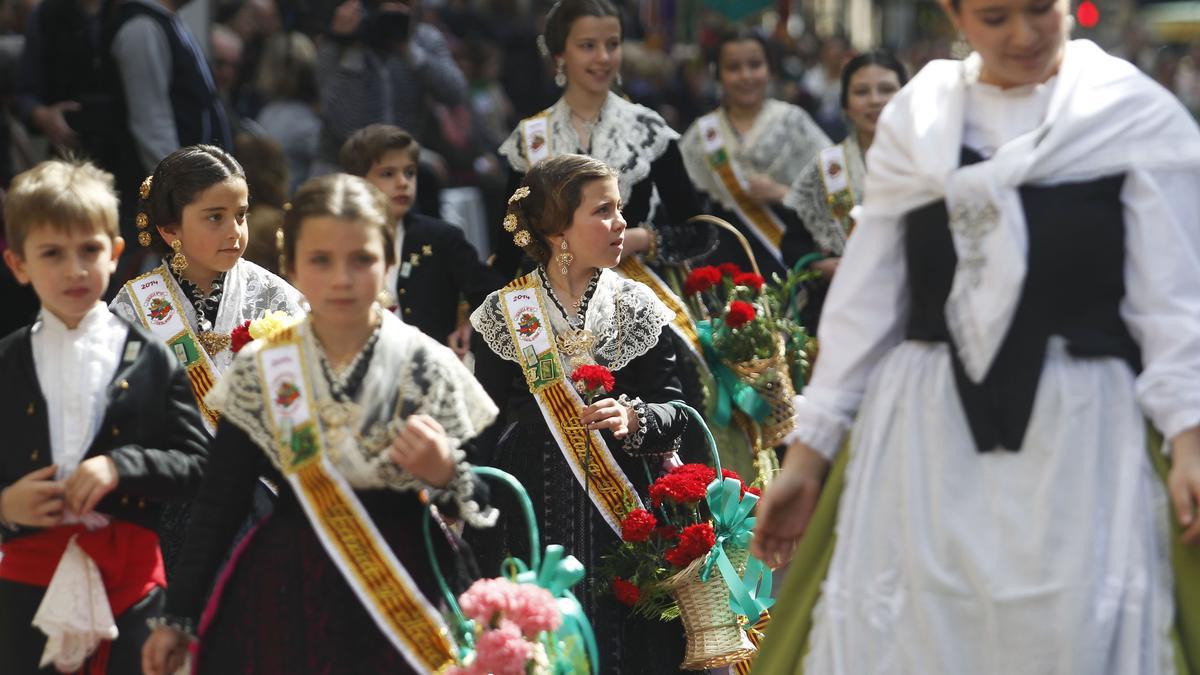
[740,313]
[592,381]
[638,525]
[729,269]
[701,279]
[239,337]
[694,541]
[626,593]
[754,491]
[749,279]
[678,488]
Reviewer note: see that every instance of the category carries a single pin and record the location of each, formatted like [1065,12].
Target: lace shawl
[250,291]
[780,144]
[409,373]
[807,198]
[627,136]
[625,317]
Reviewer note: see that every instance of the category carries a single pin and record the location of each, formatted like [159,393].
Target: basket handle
[463,624]
[741,238]
[712,443]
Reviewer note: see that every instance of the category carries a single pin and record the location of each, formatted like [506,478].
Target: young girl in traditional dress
[574,310]
[1020,294]
[353,413]
[195,204]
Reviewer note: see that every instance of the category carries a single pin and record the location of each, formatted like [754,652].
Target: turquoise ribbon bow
[557,573]
[731,390]
[749,594]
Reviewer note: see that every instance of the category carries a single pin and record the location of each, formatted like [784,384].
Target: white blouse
[74,367]
[866,312]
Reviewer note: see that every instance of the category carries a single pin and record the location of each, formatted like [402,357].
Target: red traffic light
[1088,14]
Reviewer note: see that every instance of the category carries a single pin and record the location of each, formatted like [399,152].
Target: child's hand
[423,450]
[1183,482]
[164,651]
[36,500]
[91,481]
[460,340]
[607,413]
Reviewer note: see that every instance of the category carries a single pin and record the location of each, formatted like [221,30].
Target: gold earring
[565,258]
[560,74]
[179,261]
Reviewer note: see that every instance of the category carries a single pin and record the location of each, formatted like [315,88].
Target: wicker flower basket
[772,380]
[715,636]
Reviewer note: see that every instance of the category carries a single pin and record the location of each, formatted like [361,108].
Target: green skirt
[786,642]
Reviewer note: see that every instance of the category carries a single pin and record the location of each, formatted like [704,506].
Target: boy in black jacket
[436,267]
[100,429]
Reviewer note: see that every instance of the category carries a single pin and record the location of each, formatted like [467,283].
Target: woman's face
[596,236]
[743,72]
[339,268]
[212,229]
[1020,41]
[870,88]
[593,53]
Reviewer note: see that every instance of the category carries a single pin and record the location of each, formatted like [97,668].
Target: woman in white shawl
[195,203]
[1021,292]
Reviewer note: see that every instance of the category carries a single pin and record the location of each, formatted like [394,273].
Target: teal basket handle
[463,626]
[712,443]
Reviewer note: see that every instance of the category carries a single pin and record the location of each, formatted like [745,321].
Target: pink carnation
[503,651]
[533,609]
[487,600]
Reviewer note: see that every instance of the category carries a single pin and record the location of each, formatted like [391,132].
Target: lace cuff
[458,496]
[637,407]
[817,428]
[176,623]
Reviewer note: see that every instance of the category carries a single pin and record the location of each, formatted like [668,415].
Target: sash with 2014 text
[607,485]
[161,313]
[835,175]
[341,522]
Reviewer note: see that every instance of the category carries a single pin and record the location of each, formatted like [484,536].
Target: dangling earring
[179,261]
[560,75]
[620,80]
[565,258]
[960,48]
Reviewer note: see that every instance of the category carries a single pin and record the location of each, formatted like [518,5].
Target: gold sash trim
[339,519]
[752,212]
[607,485]
[161,312]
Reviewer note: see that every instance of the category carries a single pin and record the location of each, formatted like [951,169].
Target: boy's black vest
[1074,284]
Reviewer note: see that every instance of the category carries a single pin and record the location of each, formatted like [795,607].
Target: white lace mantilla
[780,144]
[627,136]
[250,291]
[624,316]
[409,373]
[807,197]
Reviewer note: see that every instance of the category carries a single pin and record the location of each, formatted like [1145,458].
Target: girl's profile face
[212,229]
[596,236]
[339,268]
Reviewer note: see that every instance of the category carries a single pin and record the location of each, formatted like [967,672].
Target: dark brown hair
[340,196]
[875,57]
[742,34]
[368,145]
[565,12]
[555,190]
[180,178]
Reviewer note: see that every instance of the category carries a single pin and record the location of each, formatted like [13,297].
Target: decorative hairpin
[144,191]
[521,193]
[142,220]
[522,238]
[510,223]
[543,48]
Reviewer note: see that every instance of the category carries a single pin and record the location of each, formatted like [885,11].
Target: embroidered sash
[607,486]
[162,314]
[759,219]
[535,132]
[341,522]
[835,174]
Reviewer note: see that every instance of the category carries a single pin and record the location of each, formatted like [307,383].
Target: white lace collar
[409,373]
[627,136]
[624,316]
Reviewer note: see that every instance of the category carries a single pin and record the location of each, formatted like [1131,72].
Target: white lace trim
[781,143]
[250,291]
[627,136]
[409,374]
[808,199]
[624,316]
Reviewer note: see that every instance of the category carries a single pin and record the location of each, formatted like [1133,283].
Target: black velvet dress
[565,514]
